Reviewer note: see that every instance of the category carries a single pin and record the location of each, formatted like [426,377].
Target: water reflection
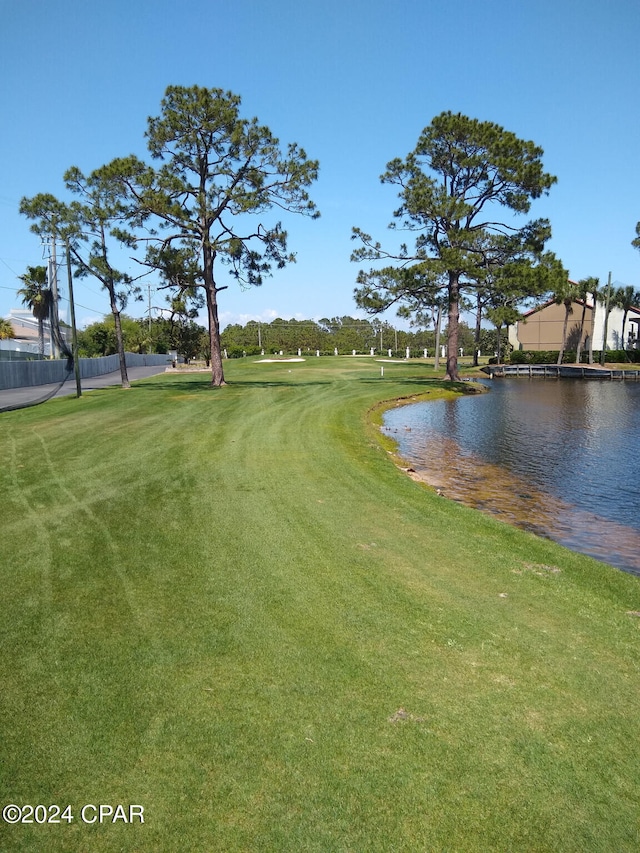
[557,458]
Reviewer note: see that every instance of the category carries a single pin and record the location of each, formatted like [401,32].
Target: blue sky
[352,81]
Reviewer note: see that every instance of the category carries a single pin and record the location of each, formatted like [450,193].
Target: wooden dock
[561,371]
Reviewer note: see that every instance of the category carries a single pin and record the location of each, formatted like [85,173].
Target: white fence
[23,374]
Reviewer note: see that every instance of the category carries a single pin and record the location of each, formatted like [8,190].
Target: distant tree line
[344,334]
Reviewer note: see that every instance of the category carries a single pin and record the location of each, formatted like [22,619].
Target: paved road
[18,396]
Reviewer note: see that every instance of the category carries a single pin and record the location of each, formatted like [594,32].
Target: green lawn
[230,607]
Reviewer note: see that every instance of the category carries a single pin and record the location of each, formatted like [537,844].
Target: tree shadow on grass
[199,384]
[421,382]
[203,386]
[269,383]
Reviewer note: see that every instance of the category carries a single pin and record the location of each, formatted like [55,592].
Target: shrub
[620,356]
[551,357]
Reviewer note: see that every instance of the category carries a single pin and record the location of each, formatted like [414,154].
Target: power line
[80,305]
[2,260]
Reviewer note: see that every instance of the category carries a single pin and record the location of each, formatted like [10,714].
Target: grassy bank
[231,608]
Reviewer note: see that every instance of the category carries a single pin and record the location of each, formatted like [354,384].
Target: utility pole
[149,309]
[438,320]
[74,335]
[53,284]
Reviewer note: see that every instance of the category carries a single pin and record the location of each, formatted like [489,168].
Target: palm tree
[37,296]
[502,315]
[608,300]
[585,287]
[6,330]
[596,296]
[627,298]
[566,297]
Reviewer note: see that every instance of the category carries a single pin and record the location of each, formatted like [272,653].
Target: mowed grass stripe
[230,606]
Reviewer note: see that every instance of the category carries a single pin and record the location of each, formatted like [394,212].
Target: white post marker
[382,371]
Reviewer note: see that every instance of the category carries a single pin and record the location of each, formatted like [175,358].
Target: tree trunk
[579,347]
[119,340]
[478,329]
[605,335]
[452,336]
[603,354]
[211,291]
[41,337]
[567,311]
[217,371]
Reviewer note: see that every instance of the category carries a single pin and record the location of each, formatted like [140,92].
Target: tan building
[26,338]
[541,328]
[25,332]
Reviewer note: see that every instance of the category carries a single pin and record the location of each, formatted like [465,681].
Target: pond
[557,457]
